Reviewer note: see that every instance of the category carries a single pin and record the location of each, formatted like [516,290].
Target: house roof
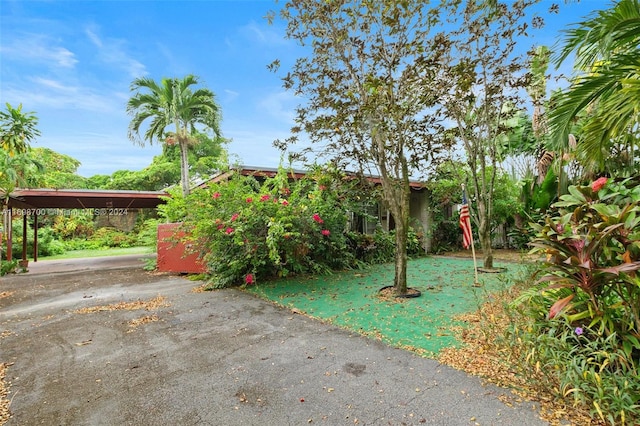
[84,199]
[293,174]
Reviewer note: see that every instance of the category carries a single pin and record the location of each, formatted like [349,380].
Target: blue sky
[72,62]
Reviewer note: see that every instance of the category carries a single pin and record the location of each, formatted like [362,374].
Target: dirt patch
[505,255]
[389,293]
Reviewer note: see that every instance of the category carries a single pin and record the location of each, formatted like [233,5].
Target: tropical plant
[592,244]
[174,111]
[607,88]
[17,129]
[15,171]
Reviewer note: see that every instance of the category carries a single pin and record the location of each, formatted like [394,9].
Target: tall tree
[174,111]
[367,94]
[606,84]
[60,170]
[481,81]
[17,129]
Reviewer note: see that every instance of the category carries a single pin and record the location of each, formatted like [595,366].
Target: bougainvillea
[249,230]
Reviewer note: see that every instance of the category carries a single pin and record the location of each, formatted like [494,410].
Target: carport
[38,202]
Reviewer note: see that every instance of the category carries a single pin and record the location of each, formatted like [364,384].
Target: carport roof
[84,199]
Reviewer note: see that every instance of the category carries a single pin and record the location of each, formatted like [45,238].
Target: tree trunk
[484,231]
[400,279]
[184,167]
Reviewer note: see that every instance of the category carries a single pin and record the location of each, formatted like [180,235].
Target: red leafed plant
[592,250]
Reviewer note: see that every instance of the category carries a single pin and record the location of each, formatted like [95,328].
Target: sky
[72,64]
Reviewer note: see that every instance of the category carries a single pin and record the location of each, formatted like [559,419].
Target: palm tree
[174,110]
[607,52]
[17,129]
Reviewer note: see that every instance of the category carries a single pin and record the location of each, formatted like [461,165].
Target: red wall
[171,253]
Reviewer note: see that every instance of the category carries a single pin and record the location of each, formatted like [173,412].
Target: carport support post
[35,237]
[24,238]
[9,231]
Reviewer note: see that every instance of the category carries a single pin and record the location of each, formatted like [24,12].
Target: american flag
[465,222]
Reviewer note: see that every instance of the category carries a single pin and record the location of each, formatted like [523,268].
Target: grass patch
[350,300]
[75,254]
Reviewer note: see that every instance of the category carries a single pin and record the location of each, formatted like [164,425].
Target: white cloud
[263,34]
[231,95]
[280,105]
[39,49]
[47,93]
[113,52]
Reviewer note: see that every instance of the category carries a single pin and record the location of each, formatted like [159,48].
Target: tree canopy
[172,110]
[17,129]
[606,87]
[366,97]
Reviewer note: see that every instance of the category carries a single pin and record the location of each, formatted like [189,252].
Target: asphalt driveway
[210,358]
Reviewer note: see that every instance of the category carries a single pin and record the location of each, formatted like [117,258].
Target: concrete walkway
[212,358]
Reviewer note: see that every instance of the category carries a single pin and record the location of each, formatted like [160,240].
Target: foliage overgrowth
[581,333]
[247,230]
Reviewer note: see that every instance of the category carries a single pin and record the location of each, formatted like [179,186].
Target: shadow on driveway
[212,358]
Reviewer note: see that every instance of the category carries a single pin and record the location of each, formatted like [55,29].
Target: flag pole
[475,262]
[473,248]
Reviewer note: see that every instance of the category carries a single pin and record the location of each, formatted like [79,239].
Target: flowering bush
[250,231]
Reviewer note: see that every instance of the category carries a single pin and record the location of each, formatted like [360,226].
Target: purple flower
[579,331]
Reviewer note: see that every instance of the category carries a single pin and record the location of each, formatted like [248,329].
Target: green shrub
[8,267]
[148,234]
[48,245]
[250,231]
[578,329]
[378,247]
[446,237]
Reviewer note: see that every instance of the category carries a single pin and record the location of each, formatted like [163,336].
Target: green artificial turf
[350,300]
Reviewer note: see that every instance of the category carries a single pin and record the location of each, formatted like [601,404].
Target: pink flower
[220,226]
[228,231]
[234,216]
[249,200]
[317,218]
[322,187]
[265,197]
[216,195]
[248,279]
[285,203]
[598,184]
[326,232]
